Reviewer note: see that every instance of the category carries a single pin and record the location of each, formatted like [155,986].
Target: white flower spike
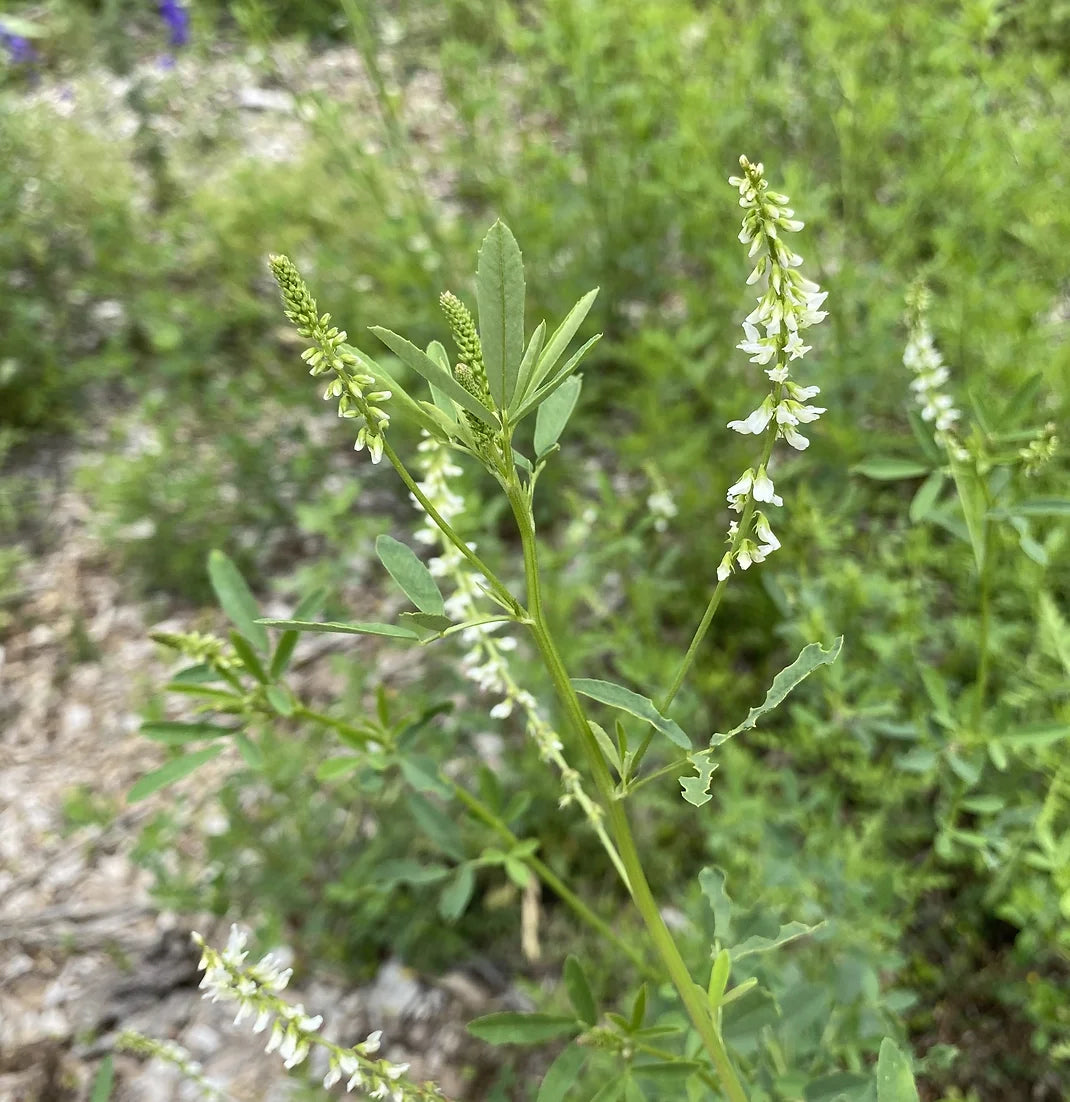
[788,305]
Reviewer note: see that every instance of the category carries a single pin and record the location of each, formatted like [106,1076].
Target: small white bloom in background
[922,357]
[294,1032]
[772,334]
[660,504]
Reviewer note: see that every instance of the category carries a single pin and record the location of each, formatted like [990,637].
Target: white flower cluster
[772,334]
[485,660]
[922,357]
[256,989]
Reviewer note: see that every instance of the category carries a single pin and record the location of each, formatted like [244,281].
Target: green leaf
[512,1028]
[171,771]
[616,696]
[429,621]
[500,302]
[1035,507]
[810,658]
[555,347]
[554,414]
[423,365]
[696,790]
[1033,735]
[105,1077]
[922,503]
[420,772]
[888,468]
[174,734]
[757,944]
[527,364]
[355,627]
[410,408]
[712,882]
[455,896]
[974,504]
[284,648]
[579,991]
[249,751]
[837,1087]
[248,657]
[338,768]
[280,700]
[411,574]
[608,747]
[236,599]
[544,392]
[635,1019]
[562,1074]
[895,1080]
[437,825]
[404,870]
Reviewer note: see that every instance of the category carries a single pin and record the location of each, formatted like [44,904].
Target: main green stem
[692,997]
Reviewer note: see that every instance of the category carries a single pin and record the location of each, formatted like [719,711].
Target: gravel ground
[84,952]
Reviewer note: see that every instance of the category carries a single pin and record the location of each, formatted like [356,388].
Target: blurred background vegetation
[146,170]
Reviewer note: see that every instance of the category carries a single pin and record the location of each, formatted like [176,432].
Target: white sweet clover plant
[499,377]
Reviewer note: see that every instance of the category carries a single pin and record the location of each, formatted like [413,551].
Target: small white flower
[764,489]
[794,438]
[725,566]
[756,421]
[742,487]
[762,530]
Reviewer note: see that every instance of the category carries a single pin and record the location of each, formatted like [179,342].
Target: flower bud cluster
[922,357]
[175,1055]
[329,353]
[485,661]
[470,371]
[256,989]
[772,337]
[1040,451]
[207,650]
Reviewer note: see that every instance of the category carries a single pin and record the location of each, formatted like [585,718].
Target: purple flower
[19,49]
[177,19]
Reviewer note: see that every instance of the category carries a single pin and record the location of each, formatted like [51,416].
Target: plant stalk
[693,998]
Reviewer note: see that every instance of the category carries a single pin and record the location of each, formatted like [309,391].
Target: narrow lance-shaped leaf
[423,365]
[557,380]
[284,648]
[500,300]
[171,771]
[616,696]
[554,413]
[512,1028]
[887,468]
[527,364]
[411,574]
[399,397]
[333,628]
[579,991]
[555,346]
[974,506]
[561,1075]
[236,599]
